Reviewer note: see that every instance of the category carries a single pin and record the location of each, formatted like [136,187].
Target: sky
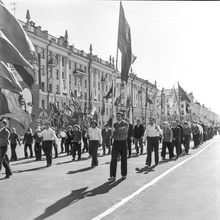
[174,41]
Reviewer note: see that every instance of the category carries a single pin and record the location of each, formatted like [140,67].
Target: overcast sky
[173,41]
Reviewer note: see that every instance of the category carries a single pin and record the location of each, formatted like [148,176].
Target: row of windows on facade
[73,65]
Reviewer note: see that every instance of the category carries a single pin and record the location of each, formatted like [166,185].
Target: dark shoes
[124,177]
[112,179]
[8,176]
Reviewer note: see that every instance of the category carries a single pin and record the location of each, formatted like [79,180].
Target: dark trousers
[119,148]
[37,150]
[106,143]
[152,144]
[85,144]
[129,146]
[26,146]
[63,140]
[177,145]
[76,147]
[140,142]
[67,146]
[166,145]
[186,142]
[93,146]
[13,152]
[55,149]
[47,145]
[4,160]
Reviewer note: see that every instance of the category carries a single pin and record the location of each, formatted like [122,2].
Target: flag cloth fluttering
[182,94]
[124,44]
[22,55]
[109,94]
[118,100]
[103,106]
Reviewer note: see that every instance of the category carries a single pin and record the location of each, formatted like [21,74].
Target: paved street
[187,188]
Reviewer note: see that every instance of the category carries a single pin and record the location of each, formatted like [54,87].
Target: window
[99,109]
[63,61]
[50,72]
[57,89]
[43,103]
[75,81]
[85,95]
[50,88]
[85,69]
[42,53]
[69,64]
[106,88]
[57,74]
[103,87]
[99,97]
[98,85]
[42,70]
[106,111]
[69,79]
[62,75]
[85,83]
[43,86]
[75,93]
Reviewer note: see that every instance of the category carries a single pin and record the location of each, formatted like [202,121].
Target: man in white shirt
[152,134]
[95,138]
[48,135]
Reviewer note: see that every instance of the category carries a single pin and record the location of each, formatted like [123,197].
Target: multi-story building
[65,70]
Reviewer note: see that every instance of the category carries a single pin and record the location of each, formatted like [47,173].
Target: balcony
[52,62]
[79,72]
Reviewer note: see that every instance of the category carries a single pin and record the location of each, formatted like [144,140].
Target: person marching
[49,136]
[4,141]
[138,136]
[176,138]
[106,139]
[130,136]
[167,141]
[69,139]
[85,140]
[119,147]
[37,144]
[152,134]
[28,141]
[186,136]
[76,144]
[95,139]
[63,139]
[14,139]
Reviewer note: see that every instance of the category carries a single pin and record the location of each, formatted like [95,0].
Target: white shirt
[95,134]
[48,135]
[62,134]
[152,131]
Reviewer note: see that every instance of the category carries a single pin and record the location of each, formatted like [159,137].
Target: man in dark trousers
[120,131]
[4,142]
[152,134]
[106,139]
[130,136]
[176,138]
[186,136]
[138,136]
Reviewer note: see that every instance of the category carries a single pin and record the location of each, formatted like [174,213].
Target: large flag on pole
[182,94]
[124,44]
[15,34]
[109,94]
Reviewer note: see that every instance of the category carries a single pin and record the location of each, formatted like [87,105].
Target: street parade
[62,108]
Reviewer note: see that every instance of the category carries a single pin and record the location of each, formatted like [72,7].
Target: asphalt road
[187,188]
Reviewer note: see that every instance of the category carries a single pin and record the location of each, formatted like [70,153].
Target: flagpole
[179,102]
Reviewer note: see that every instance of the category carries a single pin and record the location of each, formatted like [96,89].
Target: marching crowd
[116,139]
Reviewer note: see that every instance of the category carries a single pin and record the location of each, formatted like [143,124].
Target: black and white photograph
[109,110]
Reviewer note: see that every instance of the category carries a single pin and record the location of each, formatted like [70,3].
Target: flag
[75,102]
[124,44]
[103,106]
[182,94]
[11,108]
[148,99]
[133,58]
[118,100]
[16,35]
[109,94]
[8,80]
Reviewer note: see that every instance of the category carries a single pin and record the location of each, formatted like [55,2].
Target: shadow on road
[80,170]
[33,169]
[75,196]
[145,169]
